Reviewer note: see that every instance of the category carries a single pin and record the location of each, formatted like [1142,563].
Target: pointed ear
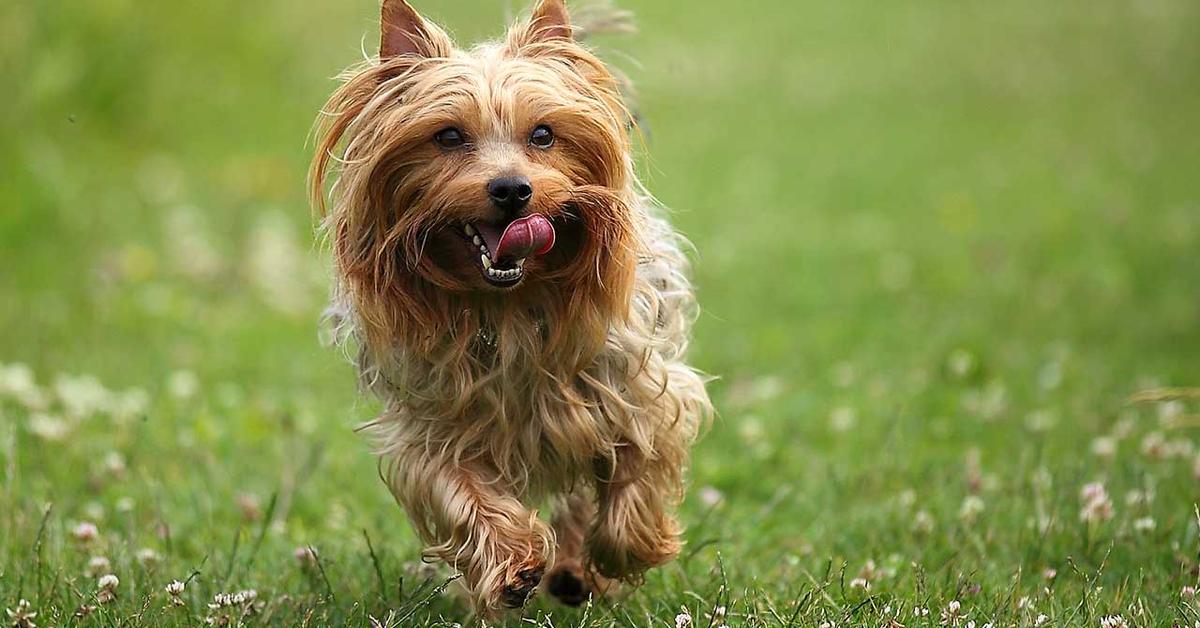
[402,31]
[548,21]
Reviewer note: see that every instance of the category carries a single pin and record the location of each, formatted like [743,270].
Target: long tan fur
[574,382]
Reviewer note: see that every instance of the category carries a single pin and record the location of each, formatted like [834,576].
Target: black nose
[510,194]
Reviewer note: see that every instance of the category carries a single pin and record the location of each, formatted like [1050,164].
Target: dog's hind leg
[571,580]
[635,528]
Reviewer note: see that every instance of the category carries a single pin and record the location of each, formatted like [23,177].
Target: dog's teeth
[477,240]
[487,263]
[521,263]
[470,230]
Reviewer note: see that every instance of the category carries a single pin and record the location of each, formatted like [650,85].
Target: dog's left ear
[548,22]
[402,31]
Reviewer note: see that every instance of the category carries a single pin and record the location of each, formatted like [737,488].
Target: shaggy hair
[570,387]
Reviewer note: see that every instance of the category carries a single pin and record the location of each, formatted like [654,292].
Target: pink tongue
[531,234]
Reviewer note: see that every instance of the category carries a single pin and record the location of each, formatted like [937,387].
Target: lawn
[941,248]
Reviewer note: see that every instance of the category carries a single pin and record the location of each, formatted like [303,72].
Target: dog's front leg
[475,526]
[634,528]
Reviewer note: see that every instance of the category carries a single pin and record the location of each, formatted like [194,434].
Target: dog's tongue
[531,234]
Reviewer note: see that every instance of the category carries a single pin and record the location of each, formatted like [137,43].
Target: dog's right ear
[402,31]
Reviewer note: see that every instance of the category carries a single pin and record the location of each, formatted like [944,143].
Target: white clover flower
[48,427]
[1169,411]
[222,600]
[127,405]
[1093,490]
[1105,447]
[277,264]
[842,419]
[1144,524]
[1042,479]
[192,252]
[81,396]
[952,614]
[94,511]
[175,589]
[1040,619]
[15,378]
[1180,448]
[1097,506]
[683,619]
[971,507]
[1113,621]
[1050,375]
[922,522]
[1187,592]
[860,583]
[147,557]
[183,384]
[870,571]
[750,428]
[107,586]
[960,363]
[17,383]
[98,565]
[21,617]
[305,555]
[1154,446]
[85,532]
[114,463]
[1139,498]
[710,496]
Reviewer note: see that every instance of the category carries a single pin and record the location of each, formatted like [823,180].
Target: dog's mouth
[503,248]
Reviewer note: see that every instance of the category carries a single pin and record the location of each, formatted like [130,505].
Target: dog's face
[482,170]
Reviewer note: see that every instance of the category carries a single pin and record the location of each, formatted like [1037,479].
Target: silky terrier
[517,301]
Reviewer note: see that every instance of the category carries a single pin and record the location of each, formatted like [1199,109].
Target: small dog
[518,302]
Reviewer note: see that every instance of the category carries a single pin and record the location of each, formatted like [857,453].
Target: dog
[517,301]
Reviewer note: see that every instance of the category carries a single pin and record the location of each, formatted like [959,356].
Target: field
[943,248]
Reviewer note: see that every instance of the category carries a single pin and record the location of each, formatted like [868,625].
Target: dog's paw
[521,587]
[626,557]
[567,585]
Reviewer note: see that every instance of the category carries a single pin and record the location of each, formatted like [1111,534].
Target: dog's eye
[542,137]
[450,138]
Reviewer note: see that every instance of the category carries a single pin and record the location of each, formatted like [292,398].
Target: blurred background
[922,229]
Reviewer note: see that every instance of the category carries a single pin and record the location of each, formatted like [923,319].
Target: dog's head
[499,173]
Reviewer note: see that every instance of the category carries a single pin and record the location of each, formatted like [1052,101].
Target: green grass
[939,246]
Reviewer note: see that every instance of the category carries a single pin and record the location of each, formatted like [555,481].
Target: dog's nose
[510,194]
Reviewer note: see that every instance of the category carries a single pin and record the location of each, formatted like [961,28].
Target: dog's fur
[570,387]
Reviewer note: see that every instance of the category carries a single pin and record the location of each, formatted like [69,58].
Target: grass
[940,246]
